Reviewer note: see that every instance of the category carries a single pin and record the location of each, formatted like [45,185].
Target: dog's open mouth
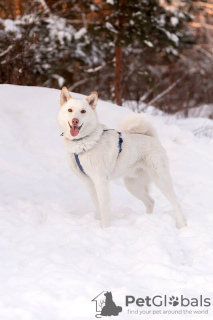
[74,130]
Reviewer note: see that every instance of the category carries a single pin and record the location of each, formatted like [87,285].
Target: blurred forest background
[137,53]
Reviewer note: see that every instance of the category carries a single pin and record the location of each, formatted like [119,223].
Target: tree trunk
[118,53]
[118,75]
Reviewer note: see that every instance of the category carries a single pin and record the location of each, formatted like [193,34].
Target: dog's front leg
[90,188]
[92,192]
[102,190]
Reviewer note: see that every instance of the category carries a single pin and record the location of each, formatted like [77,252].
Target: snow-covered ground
[55,258]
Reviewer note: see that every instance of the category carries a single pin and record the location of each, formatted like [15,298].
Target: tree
[148,24]
[116,47]
[39,47]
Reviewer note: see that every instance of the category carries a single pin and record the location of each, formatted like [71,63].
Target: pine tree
[119,23]
[105,45]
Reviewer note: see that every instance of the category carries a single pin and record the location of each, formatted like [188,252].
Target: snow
[59,29]
[110,2]
[174,21]
[60,80]
[172,37]
[55,258]
[110,27]
[80,33]
[148,43]
[10,26]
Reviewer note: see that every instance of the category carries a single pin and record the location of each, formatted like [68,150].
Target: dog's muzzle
[74,130]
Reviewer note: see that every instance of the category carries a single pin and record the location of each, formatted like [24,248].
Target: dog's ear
[65,96]
[92,99]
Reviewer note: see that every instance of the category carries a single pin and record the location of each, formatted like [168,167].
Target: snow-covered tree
[117,47]
[38,47]
[146,25]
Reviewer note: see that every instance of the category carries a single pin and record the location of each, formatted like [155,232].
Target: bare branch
[206,5]
[145,95]
[78,83]
[44,5]
[207,131]
[199,25]
[96,69]
[160,95]
[205,52]
[6,51]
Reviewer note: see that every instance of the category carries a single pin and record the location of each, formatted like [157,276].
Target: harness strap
[79,163]
[120,141]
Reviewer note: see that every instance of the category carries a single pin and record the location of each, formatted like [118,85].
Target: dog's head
[77,117]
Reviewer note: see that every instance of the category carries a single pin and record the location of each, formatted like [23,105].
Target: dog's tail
[137,123]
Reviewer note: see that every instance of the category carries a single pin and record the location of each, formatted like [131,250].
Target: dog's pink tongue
[74,131]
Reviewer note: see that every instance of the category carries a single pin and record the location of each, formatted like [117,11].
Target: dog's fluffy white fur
[137,123]
[142,158]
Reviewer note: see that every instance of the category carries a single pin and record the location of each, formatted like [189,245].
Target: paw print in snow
[173,301]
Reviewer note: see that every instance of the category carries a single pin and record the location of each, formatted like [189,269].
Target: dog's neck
[84,144]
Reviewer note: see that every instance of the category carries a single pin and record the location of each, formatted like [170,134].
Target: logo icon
[105,306]
[173,301]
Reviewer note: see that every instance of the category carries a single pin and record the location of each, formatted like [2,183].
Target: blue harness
[120,141]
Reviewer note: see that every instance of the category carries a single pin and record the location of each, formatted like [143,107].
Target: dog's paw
[105,224]
[181,224]
[149,211]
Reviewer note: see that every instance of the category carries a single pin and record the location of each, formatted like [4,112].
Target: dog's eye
[83,111]
[69,110]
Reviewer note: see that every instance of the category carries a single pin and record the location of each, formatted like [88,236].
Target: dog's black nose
[75,121]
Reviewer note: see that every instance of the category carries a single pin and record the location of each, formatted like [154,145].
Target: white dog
[97,155]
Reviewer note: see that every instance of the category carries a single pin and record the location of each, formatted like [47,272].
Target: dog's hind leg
[166,187]
[138,187]
[159,172]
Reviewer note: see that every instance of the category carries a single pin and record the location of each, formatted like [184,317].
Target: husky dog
[97,155]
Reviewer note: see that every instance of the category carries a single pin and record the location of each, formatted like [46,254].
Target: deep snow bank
[54,257]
